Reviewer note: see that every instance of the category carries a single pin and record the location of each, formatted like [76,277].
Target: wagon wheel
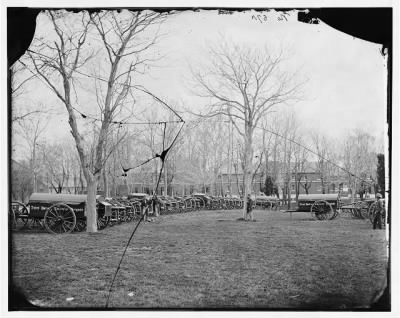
[133,212]
[59,218]
[235,204]
[80,225]
[114,218]
[357,210]
[18,211]
[321,210]
[353,210]
[102,222]
[128,212]
[202,203]
[188,205]
[226,204]
[336,212]
[123,215]
[371,212]
[197,203]
[364,207]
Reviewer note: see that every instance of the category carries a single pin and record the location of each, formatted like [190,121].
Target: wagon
[59,213]
[205,200]
[321,206]
[359,209]
[267,202]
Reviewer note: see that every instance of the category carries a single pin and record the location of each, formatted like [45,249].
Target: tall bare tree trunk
[105,183]
[248,155]
[91,217]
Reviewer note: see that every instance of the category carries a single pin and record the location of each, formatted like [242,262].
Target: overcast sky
[346,76]
[346,85]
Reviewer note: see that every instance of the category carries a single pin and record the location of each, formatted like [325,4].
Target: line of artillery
[66,213]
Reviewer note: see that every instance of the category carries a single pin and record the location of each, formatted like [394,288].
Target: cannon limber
[365,209]
[58,213]
[267,202]
[321,206]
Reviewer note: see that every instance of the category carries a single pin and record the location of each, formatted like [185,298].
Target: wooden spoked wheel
[202,203]
[102,222]
[269,205]
[123,215]
[80,225]
[322,210]
[18,213]
[364,207]
[371,212]
[188,204]
[360,210]
[59,218]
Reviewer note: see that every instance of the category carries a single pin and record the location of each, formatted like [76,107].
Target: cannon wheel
[268,205]
[202,204]
[188,205]
[80,225]
[102,222]
[18,211]
[322,210]
[363,208]
[371,212]
[59,218]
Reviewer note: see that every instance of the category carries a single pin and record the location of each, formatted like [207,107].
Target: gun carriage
[321,206]
[58,213]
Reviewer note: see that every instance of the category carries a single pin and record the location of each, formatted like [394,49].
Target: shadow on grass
[236,220]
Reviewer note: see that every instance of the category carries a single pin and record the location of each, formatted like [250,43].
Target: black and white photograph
[199,158]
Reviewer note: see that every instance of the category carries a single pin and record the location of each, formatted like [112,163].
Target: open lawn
[207,259]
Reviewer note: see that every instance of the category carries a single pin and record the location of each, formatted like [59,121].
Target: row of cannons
[66,213]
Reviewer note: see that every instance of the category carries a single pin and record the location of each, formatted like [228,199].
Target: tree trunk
[247,175]
[81,180]
[105,183]
[91,212]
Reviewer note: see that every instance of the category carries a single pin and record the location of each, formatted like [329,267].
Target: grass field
[207,259]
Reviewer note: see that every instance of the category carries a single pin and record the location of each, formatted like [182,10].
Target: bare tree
[18,80]
[120,35]
[321,145]
[57,168]
[359,160]
[31,130]
[300,164]
[244,85]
